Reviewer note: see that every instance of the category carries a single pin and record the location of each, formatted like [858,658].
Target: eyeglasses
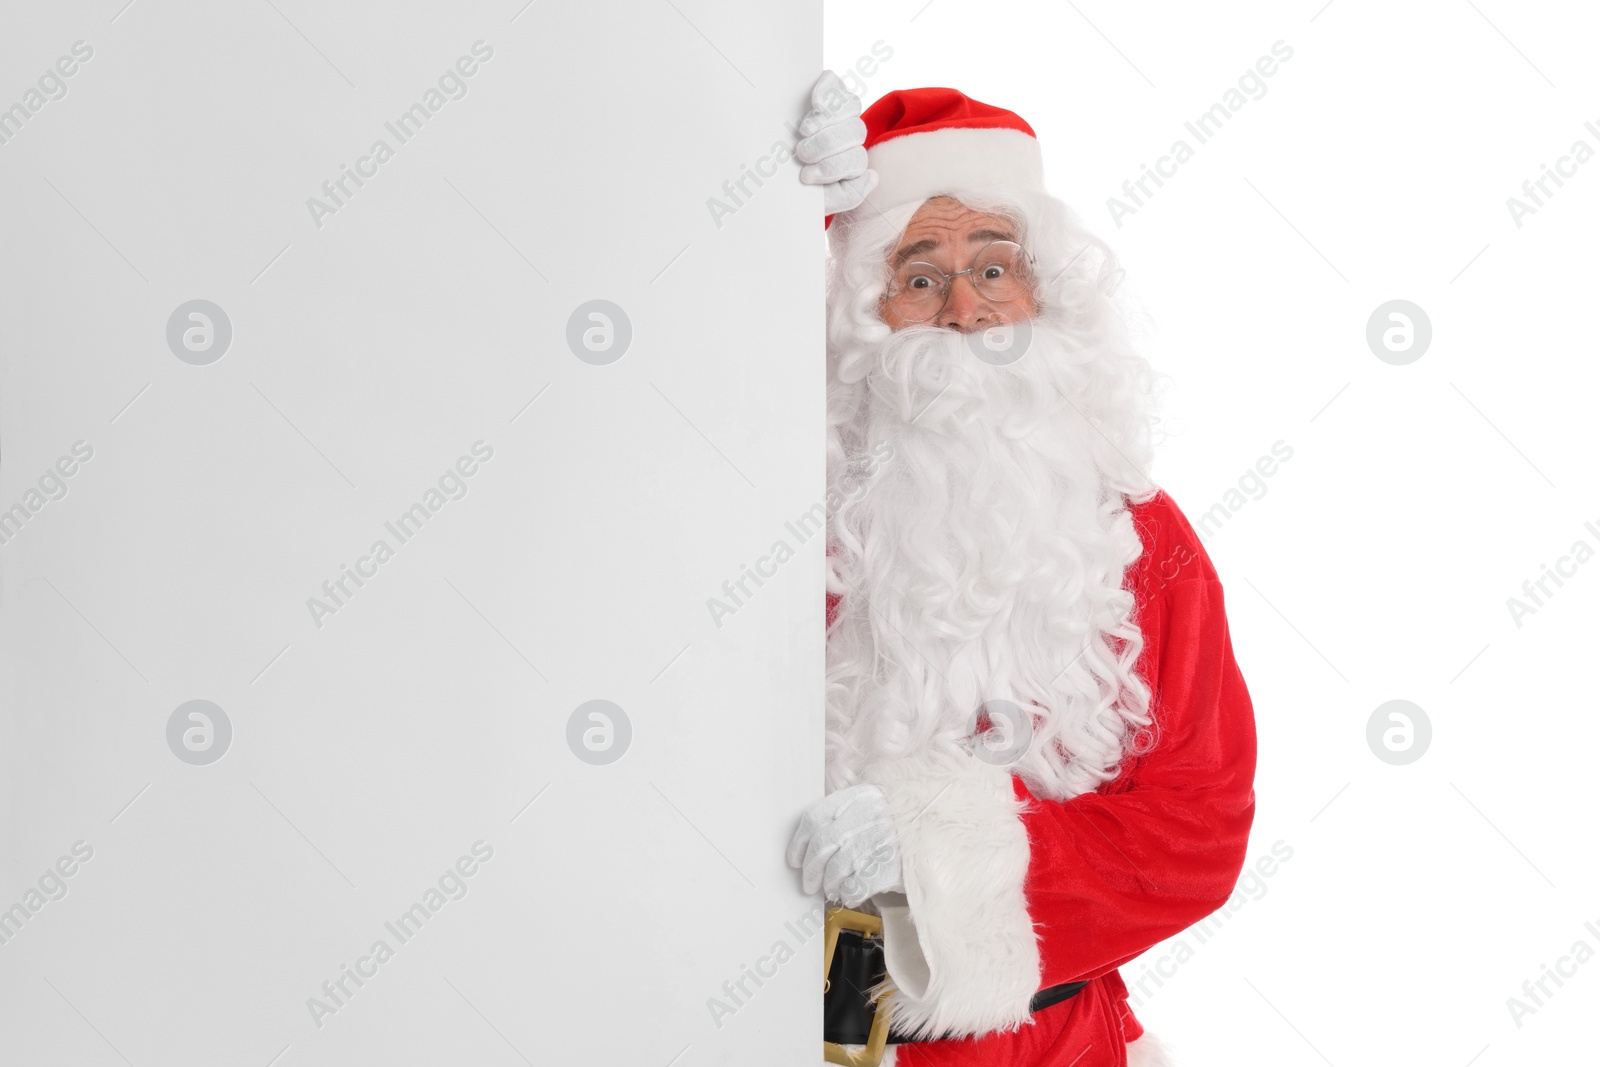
[1001,272]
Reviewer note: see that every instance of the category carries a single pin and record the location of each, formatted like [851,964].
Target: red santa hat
[923,142]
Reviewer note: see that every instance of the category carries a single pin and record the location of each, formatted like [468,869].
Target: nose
[966,310]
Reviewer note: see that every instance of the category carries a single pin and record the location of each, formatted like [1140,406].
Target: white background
[430,712]
[1378,562]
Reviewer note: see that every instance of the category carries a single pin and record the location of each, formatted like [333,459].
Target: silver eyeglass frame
[949,279]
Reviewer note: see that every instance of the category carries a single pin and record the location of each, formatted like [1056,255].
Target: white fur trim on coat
[961,950]
[1148,1051]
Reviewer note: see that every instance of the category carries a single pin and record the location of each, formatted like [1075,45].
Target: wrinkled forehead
[944,228]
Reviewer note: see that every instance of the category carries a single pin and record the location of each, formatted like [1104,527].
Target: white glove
[832,135]
[845,844]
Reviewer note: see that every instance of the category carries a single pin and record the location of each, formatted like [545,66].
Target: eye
[994,271]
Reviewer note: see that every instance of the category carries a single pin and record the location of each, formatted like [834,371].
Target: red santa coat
[1008,893]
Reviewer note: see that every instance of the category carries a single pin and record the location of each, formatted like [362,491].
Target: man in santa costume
[1040,751]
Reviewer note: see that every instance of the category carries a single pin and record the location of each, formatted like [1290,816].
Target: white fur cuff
[961,950]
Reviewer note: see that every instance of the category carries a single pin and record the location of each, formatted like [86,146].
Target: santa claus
[1040,751]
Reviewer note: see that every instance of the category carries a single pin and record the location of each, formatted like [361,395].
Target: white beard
[984,560]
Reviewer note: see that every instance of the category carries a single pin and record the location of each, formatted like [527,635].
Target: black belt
[857,966]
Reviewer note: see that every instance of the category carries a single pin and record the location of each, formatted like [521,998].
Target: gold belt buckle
[870,1054]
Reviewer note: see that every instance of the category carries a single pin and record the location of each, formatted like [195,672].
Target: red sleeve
[1113,872]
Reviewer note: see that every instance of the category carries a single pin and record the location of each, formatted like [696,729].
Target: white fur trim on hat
[961,951]
[915,166]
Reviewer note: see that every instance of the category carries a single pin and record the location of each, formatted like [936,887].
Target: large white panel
[406,348]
